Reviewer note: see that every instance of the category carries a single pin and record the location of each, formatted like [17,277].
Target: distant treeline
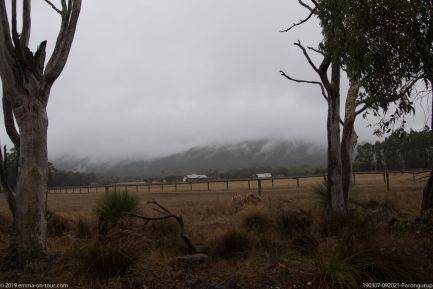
[58,178]
[401,150]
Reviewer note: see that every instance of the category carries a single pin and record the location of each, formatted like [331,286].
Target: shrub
[289,223]
[56,224]
[233,243]
[114,204]
[256,221]
[107,258]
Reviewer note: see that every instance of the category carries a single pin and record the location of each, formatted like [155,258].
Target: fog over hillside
[245,154]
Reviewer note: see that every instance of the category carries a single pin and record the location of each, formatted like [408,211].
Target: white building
[264,176]
[194,178]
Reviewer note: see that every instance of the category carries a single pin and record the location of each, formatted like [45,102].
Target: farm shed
[194,178]
[264,176]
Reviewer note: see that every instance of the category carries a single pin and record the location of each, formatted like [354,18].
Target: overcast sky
[148,78]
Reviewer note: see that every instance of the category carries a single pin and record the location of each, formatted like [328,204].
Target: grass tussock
[320,195]
[257,221]
[104,259]
[83,229]
[114,204]
[291,223]
[233,244]
[56,224]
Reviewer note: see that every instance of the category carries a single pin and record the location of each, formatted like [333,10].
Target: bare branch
[9,121]
[54,7]
[301,21]
[306,81]
[168,215]
[306,5]
[323,72]
[310,61]
[4,29]
[64,41]
[316,50]
[27,23]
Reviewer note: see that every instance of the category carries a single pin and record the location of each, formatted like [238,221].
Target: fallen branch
[167,215]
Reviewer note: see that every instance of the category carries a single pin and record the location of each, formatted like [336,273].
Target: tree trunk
[335,197]
[30,230]
[427,198]
[348,139]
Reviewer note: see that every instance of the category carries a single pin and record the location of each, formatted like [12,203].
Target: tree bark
[335,196]
[427,198]
[30,229]
[349,139]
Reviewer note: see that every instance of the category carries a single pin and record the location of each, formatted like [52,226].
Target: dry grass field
[284,241]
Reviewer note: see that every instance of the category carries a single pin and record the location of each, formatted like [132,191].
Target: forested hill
[247,154]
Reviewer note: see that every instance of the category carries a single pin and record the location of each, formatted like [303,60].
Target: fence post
[249,185]
[208,186]
[272,183]
[162,187]
[384,176]
[190,187]
[297,182]
[227,185]
[259,184]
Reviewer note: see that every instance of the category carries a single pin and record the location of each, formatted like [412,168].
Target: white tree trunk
[349,139]
[30,219]
[335,191]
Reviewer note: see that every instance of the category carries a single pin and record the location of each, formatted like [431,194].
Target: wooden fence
[237,184]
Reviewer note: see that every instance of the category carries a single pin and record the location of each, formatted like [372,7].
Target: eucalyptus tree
[340,144]
[389,45]
[27,79]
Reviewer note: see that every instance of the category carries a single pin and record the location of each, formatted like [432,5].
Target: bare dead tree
[27,82]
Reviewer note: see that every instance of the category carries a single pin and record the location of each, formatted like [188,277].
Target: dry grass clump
[56,224]
[233,244]
[257,221]
[83,229]
[291,223]
[108,258]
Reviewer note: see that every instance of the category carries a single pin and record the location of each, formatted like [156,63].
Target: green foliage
[386,44]
[408,150]
[114,204]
